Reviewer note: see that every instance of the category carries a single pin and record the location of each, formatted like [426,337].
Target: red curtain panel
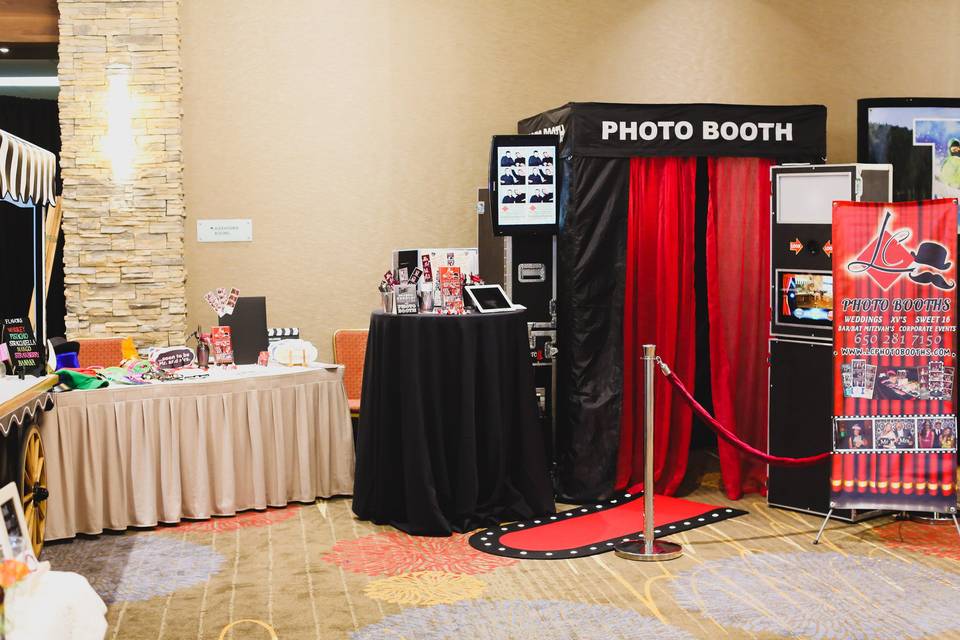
[738,274]
[659,308]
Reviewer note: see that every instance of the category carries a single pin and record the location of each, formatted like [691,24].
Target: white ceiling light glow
[29,81]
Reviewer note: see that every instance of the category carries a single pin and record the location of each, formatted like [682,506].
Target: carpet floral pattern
[316,572]
[135,568]
[425,587]
[524,619]
[393,553]
[935,540]
[823,595]
[242,520]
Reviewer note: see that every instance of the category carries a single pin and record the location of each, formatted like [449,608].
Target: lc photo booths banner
[656,203]
[895,297]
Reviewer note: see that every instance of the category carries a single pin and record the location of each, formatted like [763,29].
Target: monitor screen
[804,298]
[524,181]
[920,137]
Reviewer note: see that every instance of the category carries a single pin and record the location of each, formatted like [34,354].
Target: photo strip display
[526,180]
[931,382]
[859,379]
[895,434]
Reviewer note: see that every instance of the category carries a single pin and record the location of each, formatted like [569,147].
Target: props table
[244,438]
[449,438]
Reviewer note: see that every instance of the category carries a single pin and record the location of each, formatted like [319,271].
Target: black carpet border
[488,540]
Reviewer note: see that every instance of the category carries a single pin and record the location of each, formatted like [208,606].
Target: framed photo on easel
[15,535]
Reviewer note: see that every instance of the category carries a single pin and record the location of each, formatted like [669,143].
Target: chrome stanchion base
[637,550]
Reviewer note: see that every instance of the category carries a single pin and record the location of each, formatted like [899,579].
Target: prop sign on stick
[22,346]
[222,302]
[895,298]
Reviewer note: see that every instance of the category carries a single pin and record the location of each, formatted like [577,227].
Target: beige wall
[347,129]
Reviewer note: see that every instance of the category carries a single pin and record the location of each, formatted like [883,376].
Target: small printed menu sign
[406,299]
[22,344]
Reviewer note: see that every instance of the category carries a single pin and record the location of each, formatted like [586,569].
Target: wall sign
[895,324]
[609,130]
[225,230]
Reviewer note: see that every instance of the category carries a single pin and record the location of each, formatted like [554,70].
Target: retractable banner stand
[895,323]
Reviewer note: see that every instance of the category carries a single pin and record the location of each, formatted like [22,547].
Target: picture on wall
[920,137]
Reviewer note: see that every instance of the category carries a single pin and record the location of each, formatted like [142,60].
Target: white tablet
[489,298]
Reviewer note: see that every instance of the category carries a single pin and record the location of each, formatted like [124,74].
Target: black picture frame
[530,140]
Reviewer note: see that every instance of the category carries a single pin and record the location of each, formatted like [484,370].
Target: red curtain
[738,275]
[659,309]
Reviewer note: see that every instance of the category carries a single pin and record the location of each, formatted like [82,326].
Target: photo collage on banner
[527,185]
[895,432]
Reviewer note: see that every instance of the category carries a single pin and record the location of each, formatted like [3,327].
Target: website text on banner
[894,336]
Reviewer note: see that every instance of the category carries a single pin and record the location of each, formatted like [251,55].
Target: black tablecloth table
[449,438]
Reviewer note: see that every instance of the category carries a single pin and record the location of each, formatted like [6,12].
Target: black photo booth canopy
[597,140]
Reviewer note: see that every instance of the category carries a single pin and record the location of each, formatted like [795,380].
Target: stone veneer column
[123,257]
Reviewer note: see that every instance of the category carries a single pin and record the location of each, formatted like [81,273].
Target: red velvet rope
[731,439]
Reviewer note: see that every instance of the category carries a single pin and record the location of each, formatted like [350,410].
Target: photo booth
[663,209]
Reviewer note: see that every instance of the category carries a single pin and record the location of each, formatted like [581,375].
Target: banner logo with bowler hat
[887,258]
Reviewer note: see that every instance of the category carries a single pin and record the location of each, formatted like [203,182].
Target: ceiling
[29,21]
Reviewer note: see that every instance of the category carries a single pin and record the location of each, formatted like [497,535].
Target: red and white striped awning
[26,171]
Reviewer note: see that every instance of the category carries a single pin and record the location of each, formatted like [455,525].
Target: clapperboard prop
[276,334]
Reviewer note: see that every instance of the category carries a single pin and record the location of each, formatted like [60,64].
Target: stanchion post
[649,549]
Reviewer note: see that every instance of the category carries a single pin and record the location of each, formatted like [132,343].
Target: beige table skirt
[136,456]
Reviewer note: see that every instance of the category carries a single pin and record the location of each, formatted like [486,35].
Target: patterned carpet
[314,571]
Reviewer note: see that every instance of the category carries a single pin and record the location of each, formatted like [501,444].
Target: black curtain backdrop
[36,121]
[591,254]
[702,437]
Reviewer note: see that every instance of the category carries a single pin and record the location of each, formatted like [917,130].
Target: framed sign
[22,345]
[15,536]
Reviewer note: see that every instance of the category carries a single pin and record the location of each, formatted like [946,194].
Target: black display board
[248,329]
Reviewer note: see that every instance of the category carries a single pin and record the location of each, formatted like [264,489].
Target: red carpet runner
[591,529]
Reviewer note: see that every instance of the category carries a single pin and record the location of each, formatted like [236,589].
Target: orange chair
[350,349]
[100,352]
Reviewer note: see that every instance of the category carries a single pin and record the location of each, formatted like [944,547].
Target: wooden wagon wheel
[33,487]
